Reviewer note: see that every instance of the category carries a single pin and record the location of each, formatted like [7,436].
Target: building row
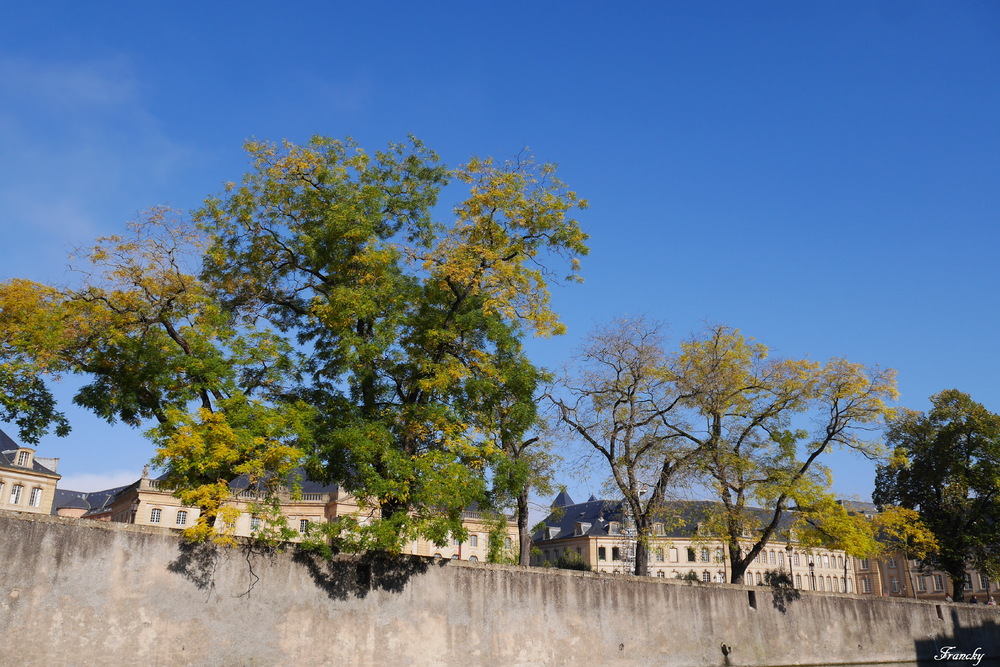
[597,534]
[600,535]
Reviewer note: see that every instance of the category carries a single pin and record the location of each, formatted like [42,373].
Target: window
[840,562]
[616,553]
[454,541]
[892,562]
[836,585]
[706,576]
[866,584]
[473,540]
[939,582]
[704,555]
[1,491]
[894,585]
[781,558]
[984,583]
[155,514]
[864,564]
[508,543]
[657,529]
[921,584]
[35,500]
[15,494]
[968,582]
[719,556]
[720,578]
[691,555]
[615,528]
[850,586]
[660,574]
[659,554]
[455,557]
[772,558]
[673,554]
[254,524]
[473,559]
[22,459]
[795,559]
[798,581]
[759,580]
[602,553]
[826,560]
[182,517]
[821,584]
[303,525]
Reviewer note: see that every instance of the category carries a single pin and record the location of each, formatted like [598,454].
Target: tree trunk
[523,536]
[738,565]
[958,589]
[642,557]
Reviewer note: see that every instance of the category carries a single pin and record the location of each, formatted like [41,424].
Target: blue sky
[823,176]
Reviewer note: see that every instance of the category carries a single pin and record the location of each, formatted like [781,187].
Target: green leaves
[946,465]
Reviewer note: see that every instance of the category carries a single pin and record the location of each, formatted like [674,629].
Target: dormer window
[614,528]
[581,528]
[23,458]
[551,532]
[658,529]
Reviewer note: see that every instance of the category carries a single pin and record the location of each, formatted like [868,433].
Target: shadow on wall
[356,576]
[965,646]
[340,578]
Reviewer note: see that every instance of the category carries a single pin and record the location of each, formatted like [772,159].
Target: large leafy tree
[946,465]
[398,314]
[154,344]
[317,313]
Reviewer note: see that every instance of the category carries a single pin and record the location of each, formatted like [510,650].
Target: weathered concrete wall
[74,592]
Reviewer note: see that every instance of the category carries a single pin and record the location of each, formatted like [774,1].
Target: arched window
[836,585]
[155,514]
[473,559]
[759,580]
[704,554]
[182,518]
[772,557]
[820,582]
[706,576]
[798,581]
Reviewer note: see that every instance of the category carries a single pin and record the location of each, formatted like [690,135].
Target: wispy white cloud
[82,152]
[89,482]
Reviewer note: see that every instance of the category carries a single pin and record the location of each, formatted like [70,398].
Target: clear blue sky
[824,176]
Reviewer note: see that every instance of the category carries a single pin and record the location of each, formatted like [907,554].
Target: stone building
[27,482]
[150,502]
[601,535]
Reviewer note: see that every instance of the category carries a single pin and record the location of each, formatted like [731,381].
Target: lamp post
[812,574]
[788,552]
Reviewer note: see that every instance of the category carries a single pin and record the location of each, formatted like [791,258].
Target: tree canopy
[327,316]
[721,411]
[945,464]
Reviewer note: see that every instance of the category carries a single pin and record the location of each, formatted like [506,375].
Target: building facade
[150,502]
[27,482]
[601,536]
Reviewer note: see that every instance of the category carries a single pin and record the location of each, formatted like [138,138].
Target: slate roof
[94,502]
[680,518]
[8,454]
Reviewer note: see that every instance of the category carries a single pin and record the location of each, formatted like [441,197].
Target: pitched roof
[95,502]
[8,452]
[680,518]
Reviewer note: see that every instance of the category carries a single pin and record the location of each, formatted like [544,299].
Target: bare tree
[619,400]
